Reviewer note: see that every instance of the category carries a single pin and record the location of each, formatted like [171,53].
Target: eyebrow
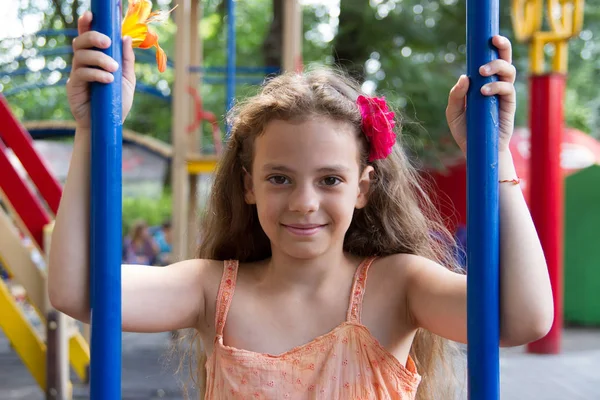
[326,169]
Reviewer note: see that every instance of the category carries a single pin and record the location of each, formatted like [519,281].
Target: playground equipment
[580,170]
[483,292]
[565,20]
[197,163]
[483,204]
[45,357]
[540,169]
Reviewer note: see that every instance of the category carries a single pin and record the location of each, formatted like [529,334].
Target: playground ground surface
[574,374]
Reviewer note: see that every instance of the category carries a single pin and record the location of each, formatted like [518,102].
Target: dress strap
[225,294]
[358,290]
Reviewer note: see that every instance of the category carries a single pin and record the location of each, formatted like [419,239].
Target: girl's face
[306,182]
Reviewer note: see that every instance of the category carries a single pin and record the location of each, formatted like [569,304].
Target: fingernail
[486,89]
[115,65]
[486,69]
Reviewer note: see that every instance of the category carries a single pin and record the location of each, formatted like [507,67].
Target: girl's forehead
[310,135]
[309,142]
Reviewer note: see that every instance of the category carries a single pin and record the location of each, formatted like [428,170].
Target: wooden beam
[18,262]
[292,36]
[179,173]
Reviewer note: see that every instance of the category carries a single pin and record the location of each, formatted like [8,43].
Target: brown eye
[331,181]
[278,180]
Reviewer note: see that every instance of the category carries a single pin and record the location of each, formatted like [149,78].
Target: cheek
[341,207]
[269,206]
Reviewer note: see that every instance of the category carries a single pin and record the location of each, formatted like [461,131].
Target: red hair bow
[377,125]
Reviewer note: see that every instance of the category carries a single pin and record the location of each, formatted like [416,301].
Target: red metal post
[546,202]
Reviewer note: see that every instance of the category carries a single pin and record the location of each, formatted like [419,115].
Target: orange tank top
[347,363]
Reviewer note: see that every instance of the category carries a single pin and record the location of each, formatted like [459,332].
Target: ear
[364,184]
[248,188]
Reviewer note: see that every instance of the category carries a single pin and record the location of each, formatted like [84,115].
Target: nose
[304,199]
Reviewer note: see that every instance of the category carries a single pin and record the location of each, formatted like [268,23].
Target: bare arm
[153,298]
[437,297]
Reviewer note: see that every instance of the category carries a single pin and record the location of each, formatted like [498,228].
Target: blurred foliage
[153,211]
[412,51]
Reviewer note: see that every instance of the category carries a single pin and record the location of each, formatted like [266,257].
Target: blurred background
[411,51]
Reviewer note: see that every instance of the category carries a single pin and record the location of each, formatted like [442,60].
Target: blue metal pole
[482,207]
[105,213]
[230,88]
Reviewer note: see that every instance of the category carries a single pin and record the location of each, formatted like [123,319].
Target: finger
[457,98]
[504,48]
[505,71]
[499,88]
[85,75]
[128,59]
[94,58]
[84,23]
[91,39]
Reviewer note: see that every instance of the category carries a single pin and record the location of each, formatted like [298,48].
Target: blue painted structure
[482,207]
[106,215]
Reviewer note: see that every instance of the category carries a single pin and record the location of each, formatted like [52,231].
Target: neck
[310,274]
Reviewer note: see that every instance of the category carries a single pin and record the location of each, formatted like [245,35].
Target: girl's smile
[304,229]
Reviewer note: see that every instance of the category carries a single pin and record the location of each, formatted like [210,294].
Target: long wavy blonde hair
[399,216]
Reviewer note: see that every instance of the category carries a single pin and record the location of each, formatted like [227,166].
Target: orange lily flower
[135,25]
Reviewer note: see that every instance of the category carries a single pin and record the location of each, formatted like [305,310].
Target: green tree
[412,51]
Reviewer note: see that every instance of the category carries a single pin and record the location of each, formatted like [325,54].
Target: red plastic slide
[18,139]
[21,196]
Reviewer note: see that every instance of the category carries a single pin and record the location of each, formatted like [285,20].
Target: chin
[304,251]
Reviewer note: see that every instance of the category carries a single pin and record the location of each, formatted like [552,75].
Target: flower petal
[138,34]
[144,10]
[161,59]
[151,40]
[130,19]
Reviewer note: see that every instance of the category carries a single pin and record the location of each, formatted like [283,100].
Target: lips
[303,229]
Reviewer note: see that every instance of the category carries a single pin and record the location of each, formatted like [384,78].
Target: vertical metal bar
[105,213]
[57,342]
[546,119]
[482,207]
[231,47]
[56,376]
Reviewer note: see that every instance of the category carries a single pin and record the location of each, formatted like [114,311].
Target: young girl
[323,272]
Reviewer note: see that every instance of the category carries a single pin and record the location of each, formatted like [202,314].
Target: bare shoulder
[195,269]
[409,265]
[416,285]
[390,275]
[402,265]
[404,272]
[206,274]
